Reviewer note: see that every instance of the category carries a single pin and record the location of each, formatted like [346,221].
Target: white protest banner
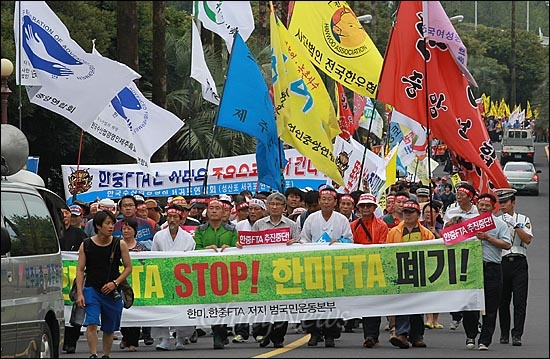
[182,178]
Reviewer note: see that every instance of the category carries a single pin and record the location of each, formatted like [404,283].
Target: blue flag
[246,107]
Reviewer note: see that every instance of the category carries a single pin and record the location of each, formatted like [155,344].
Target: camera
[116,295]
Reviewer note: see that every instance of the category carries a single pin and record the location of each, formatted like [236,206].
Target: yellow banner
[299,117]
[337,44]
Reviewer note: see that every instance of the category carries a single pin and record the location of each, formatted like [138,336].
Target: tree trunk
[159,67]
[127,46]
[127,34]
[263,16]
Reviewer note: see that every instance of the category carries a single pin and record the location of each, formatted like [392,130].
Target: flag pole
[189,153]
[78,160]
[372,115]
[429,147]
[215,128]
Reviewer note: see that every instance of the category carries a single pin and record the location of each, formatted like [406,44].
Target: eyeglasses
[275,204]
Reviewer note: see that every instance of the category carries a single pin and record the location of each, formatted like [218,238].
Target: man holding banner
[216,235]
[409,327]
[276,203]
[493,242]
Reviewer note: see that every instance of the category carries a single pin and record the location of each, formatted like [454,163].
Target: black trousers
[242,329]
[71,336]
[371,327]
[130,335]
[324,327]
[492,280]
[275,332]
[515,280]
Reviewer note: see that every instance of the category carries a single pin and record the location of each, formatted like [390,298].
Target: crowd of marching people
[412,212]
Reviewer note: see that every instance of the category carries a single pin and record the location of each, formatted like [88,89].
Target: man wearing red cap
[368,229]
[409,328]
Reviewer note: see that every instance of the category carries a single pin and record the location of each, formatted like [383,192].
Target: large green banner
[340,273]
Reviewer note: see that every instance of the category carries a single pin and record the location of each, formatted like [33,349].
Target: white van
[32,275]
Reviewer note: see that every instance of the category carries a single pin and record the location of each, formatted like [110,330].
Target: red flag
[414,72]
[345,120]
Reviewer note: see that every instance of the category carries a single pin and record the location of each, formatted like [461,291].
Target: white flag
[58,73]
[134,125]
[225,18]
[199,70]
[370,114]
[421,139]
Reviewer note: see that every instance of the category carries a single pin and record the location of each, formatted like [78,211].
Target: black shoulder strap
[360,222]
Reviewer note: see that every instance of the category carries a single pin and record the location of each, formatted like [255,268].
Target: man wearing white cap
[368,229]
[256,210]
[515,270]
[105,204]
[276,204]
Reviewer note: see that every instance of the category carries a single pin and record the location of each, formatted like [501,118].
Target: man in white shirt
[173,238]
[515,269]
[325,225]
[465,209]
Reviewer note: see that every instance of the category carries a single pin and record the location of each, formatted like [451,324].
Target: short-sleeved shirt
[490,252]
[518,247]
[206,235]
[285,222]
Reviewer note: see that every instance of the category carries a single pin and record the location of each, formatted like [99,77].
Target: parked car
[522,176]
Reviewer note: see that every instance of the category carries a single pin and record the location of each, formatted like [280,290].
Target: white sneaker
[180,346]
[164,345]
[482,347]
[238,339]
[259,338]
[455,324]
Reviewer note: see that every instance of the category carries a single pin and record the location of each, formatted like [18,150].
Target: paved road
[442,343]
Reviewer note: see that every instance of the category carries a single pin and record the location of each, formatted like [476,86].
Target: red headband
[243,205]
[466,191]
[328,191]
[401,198]
[215,201]
[488,199]
[173,210]
[348,198]
[391,196]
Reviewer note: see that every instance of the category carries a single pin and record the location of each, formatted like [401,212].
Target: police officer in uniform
[515,270]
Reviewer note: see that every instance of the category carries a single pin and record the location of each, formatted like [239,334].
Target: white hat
[366,198]
[107,204]
[423,191]
[257,202]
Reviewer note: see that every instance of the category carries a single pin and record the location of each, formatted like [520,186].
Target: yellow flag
[391,167]
[486,104]
[528,113]
[337,43]
[299,116]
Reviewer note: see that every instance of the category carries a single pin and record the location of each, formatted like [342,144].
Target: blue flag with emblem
[246,107]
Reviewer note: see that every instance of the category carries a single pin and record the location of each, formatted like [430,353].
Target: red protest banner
[267,236]
[468,228]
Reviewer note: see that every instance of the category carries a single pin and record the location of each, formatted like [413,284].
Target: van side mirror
[6,241]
